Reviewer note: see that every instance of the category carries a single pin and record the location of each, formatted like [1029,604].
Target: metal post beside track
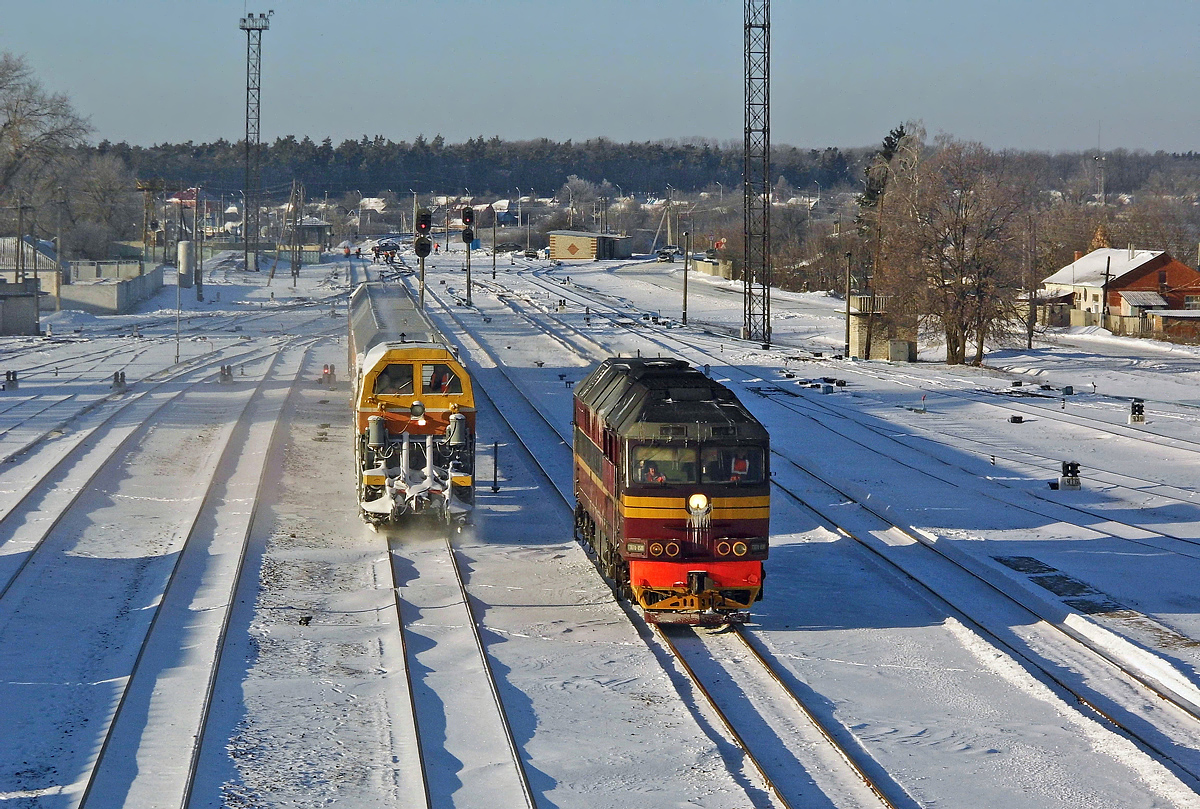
[495,466]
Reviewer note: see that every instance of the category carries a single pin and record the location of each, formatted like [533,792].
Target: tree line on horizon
[954,231]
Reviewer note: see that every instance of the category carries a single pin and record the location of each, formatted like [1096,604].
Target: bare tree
[959,235]
[36,127]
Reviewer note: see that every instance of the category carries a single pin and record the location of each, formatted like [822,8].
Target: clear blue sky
[1048,74]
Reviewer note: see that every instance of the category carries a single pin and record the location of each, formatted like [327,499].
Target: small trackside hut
[414,413]
[672,486]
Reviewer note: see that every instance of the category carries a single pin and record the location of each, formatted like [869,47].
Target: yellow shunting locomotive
[414,412]
[672,482]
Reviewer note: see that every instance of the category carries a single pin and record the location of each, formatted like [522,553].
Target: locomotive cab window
[662,464]
[395,379]
[731,464]
[439,378]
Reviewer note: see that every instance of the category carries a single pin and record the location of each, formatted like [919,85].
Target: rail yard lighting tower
[756,272]
[253,25]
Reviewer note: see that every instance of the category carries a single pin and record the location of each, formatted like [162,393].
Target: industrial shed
[576,245]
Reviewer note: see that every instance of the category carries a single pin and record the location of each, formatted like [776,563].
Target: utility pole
[58,247]
[846,354]
[254,27]
[1032,319]
[198,238]
[687,261]
[756,272]
[295,217]
[493,207]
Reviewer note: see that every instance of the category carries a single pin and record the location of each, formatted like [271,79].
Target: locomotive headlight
[416,410]
[672,549]
[722,548]
[739,548]
[656,549]
[697,503]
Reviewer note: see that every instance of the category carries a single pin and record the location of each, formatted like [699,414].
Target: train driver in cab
[442,380]
[740,467]
[653,475]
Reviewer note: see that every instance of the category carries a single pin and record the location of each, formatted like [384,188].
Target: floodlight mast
[253,25]
[756,180]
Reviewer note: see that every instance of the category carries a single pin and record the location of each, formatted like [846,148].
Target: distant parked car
[505,247]
[531,254]
[665,255]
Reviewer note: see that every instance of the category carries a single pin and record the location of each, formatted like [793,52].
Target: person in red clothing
[741,467]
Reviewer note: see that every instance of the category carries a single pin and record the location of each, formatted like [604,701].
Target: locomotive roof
[382,312]
[635,396]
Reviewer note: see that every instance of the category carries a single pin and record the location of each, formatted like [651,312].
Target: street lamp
[722,190]
[846,354]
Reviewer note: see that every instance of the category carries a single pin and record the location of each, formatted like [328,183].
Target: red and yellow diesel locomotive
[672,488]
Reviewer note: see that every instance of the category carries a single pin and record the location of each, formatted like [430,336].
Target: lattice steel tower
[756,174]
[254,27]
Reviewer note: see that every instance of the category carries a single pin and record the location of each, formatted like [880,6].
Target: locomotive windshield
[731,464]
[396,378]
[439,378]
[662,463]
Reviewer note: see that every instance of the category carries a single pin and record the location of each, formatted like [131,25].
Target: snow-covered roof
[1142,298]
[1088,271]
[1182,314]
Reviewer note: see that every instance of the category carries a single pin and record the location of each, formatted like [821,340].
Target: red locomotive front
[672,483]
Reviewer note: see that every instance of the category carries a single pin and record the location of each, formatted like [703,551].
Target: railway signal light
[468,235]
[1137,411]
[424,222]
[423,246]
[468,216]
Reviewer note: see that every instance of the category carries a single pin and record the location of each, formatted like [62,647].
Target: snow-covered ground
[181,560]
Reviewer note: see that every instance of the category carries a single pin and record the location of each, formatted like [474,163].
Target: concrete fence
[111,295]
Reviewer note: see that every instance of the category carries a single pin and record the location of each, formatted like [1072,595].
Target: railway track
[1172,741]
[125,726]
[548,435]
[926,465]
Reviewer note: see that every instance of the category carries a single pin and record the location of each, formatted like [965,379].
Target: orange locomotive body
[414,413]
[672,489]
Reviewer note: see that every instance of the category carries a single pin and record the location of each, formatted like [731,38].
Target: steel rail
[481,647]
[408,681]
[825,732]
[1143,682]
[227,452]
[1159,694]
[235,583]
[73,455]
[725,721]
[675,655]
